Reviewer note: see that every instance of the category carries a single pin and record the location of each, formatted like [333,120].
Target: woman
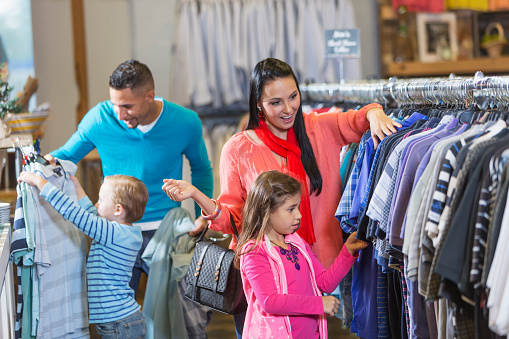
[280,137]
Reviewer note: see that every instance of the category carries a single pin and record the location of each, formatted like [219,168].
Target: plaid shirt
[372,171]
[345,204]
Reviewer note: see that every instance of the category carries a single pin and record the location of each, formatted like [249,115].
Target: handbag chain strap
[235,232]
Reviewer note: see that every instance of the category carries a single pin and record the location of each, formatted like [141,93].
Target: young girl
[283,280]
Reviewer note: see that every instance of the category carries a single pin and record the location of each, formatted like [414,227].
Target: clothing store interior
[392,115]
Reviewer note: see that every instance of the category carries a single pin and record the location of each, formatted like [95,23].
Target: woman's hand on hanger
[380,124]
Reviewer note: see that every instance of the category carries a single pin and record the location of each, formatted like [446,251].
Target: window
[16,43]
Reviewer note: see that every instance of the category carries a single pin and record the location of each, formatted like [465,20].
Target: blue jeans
[131,327]
[139,265]
[238,320]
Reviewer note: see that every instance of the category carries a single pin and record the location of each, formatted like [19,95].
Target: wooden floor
[221,327]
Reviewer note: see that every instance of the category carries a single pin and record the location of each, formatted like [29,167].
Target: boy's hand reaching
[80,193]
[354,245]
[32,179]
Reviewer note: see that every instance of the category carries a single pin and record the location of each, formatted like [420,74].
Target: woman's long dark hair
[266,71]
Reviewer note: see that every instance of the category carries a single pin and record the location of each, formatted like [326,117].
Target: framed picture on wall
[481,21]
[436,37]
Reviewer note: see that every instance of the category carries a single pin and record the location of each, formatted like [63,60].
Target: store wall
[54,67]
[154,23]
[108,42]
[366,17]
[108,31]
[151,46]
[117,30]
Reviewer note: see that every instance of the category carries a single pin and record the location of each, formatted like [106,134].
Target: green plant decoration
[6,105]
[488,38]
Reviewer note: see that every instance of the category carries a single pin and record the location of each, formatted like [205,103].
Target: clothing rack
[459,92]
[212,117]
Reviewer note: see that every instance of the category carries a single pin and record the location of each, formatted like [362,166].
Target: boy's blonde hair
[129,192]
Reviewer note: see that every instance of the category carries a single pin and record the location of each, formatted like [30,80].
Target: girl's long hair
[264,72]
[269,191]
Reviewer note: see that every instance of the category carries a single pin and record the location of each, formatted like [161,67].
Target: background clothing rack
[461,92]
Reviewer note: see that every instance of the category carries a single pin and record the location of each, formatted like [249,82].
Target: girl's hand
[200,225]
[380,124]
[330,305]
[354,245]
[32,179]
[178,190]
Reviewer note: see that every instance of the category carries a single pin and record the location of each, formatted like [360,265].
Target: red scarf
[290,150]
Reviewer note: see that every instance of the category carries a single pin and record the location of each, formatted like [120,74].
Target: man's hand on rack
[32,180]
[51,160]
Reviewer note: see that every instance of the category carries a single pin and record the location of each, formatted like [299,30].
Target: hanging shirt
[489,190]
[60,261]
[380,194]
[415,154]
[460,175]
[345,205]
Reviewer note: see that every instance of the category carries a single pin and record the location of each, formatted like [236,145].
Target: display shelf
[461,67]
[9,195]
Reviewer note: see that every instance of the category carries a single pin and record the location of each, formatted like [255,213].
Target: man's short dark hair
[131,74]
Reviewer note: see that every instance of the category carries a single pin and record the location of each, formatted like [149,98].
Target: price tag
[342,43]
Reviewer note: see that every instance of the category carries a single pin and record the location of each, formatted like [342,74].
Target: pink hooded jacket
[261,324]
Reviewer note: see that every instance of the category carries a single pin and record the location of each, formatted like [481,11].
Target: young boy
[115,244]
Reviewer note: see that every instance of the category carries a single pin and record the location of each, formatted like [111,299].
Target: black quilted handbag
[212,279]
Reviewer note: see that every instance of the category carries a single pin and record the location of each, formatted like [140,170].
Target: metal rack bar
[451,92]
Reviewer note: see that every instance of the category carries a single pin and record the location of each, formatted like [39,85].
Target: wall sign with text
[342,43]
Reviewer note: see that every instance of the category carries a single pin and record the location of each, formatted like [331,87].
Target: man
[144,136]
